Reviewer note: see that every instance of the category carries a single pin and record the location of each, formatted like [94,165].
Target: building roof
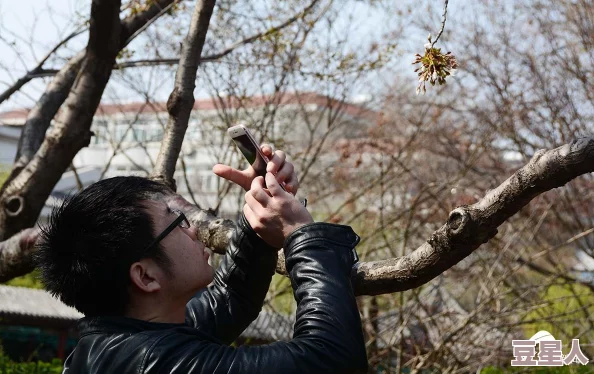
[270,326]
[32,307]
[18,116]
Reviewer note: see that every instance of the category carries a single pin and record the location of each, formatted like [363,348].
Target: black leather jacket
[327,336]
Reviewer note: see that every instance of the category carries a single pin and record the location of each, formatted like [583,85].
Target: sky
[37,25]
[45,22]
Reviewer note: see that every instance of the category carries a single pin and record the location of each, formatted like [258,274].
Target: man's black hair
[85,252]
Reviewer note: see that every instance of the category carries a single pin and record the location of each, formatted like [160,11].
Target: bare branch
[132,26]
[443,21]
[213,231]
[467,228]
[470,226]
[16,254]
[259,35]
[40,117]
[137,23]
[24,196]
[181,100]
[52,99]
[38,70]
[207,58]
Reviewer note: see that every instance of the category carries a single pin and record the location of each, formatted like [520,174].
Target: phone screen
[251,154]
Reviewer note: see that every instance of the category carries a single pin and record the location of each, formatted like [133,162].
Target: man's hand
[273,213]
[282,169]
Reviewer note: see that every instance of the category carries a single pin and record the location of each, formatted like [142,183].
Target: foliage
[7,366]
[4,172]
[435,67]
[283,302]
[564,312]
[31,280]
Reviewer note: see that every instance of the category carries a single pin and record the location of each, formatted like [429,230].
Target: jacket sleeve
[235,297]
[328,337]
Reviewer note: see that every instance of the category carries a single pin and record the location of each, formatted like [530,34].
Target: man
[133,265]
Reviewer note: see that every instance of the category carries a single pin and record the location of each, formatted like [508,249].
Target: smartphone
[250,149]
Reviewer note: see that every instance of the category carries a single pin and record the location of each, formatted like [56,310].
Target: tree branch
[443,21]
[52,99]
[37,70]
[16,254]
[470,226]
[40,117]
[181,100]
[467,228]
[23,198]
[214,56]
[132,26]
[259,35]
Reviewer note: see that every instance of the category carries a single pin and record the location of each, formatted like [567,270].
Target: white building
[127,139]
[9,139]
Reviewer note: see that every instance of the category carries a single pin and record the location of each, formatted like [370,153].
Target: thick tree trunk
[24,196]
[40,117]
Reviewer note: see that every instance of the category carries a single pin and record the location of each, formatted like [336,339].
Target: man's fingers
[266,149]
[258,192]
[257,183]
[276,163]
[285,173]
[232,175]
[252,203]
[273,187]
[292,183]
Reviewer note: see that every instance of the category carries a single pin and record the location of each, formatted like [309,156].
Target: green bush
[564,312]
[7,366]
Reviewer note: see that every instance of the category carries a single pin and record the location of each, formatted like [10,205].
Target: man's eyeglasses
[180,221]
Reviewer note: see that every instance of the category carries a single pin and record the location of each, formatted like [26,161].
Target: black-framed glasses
[180,221]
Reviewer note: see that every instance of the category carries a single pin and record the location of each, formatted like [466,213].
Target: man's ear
[144,275]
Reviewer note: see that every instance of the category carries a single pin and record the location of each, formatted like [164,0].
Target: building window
[154,133]
[139,133]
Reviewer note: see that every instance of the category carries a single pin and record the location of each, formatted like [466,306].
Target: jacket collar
[116,324]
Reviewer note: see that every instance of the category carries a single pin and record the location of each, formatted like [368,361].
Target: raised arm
[328,336]
[240,283]
[237,293]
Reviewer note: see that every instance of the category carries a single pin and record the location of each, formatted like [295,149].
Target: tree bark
[467,228]
[16,254]
[40,117]
[181,100]
[24,196]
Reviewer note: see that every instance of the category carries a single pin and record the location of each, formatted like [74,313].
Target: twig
[443,21]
